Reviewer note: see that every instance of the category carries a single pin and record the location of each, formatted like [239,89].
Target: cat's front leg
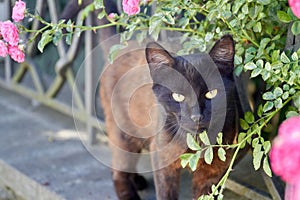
[166,173]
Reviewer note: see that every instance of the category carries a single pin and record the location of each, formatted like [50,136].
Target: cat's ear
[223,51]
[157,56]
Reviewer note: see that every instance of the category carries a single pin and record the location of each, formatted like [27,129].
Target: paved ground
[42,157]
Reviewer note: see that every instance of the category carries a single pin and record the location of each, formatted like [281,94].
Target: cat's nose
[197,117]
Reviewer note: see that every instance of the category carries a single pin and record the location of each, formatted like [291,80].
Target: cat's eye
[178,97]
[211,94]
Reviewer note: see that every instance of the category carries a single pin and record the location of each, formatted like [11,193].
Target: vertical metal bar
[7,70]
[89,88]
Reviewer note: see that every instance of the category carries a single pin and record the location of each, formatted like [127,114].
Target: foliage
[260,30]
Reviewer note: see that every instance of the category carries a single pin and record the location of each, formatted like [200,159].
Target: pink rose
[131,7]
[18,11]
[285,152]
[295,6]
[9,33]
[16,54]
[292,191]
[3,49]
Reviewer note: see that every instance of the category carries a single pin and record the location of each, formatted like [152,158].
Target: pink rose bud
[3,49]
[295,6]
[131,7]
[18,11]
[112,15]
[9,33]
[16,54]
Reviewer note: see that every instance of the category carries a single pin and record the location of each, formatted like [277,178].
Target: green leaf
[101,14]
[268,96]
[168,18]
[284,17]
[264,2]
[46,38]
[296,28]
[249,117]
[284,58]
[57,36]
[185,159]
[278,103]
[241,137]
[220,138]
[244,124]
[278,92]
[285,95]
[113,52]
[222,154]
[69,38]
[256,72]
[238,70]
[191,142]
[260,110]
[268,106]
[291,114]
[204,138]
[257,27]
[209,155]
[257,156]
[267,146]
[266,167]
[296,100]
[194,161]
[98,4]
[250,66]
[295,56]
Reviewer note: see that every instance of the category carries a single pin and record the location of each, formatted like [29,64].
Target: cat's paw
[140,182]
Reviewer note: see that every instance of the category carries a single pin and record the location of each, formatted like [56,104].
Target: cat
[152,98]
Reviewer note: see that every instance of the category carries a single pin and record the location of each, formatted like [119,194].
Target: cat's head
[197,91]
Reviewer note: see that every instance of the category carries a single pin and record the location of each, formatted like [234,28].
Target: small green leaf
[278,92]
[244,124]
[249,117]
[98,4]
[191,142]
[296,28]
[204,138]
[260,110]
[250,66]
[295,56]
[222,154]
[267,146]
[256,72]
[291,114]
[46,38]
[220,138]
[284,17]
[284,58]
[268,96]
[296,100]
[185,159]
[194,161]
[268,106]
[257,156]
[69,38]
[113,52]
[101,14]
[257,27]
[266,167]
[209,155]
[278,103]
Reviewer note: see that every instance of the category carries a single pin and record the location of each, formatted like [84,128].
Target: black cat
[152,98]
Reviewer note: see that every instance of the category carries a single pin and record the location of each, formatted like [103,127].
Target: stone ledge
[22,186]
